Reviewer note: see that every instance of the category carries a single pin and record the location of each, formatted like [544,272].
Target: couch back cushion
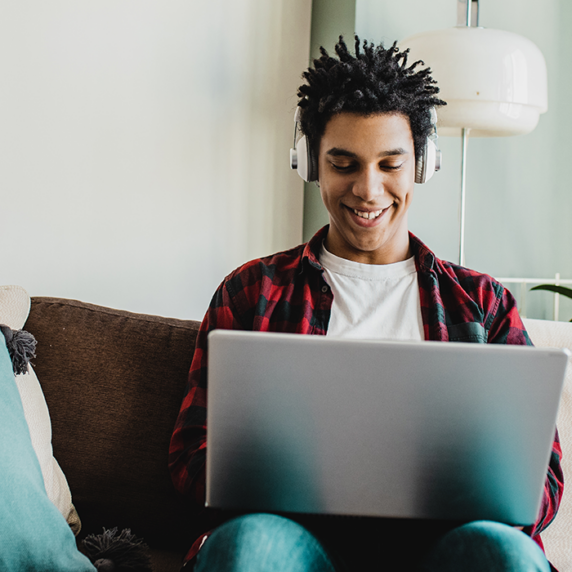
[114,381]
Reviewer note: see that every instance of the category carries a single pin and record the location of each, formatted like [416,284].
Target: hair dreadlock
[376,80]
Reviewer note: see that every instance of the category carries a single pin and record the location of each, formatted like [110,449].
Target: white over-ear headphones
[303,159]
[429,160]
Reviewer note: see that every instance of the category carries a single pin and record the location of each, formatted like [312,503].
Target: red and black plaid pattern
[287,292]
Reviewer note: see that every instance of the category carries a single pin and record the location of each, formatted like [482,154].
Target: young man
[367,119]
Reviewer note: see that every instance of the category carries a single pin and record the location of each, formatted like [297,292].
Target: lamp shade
[494,82]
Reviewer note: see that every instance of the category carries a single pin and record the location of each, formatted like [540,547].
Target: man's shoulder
[462,272]
[280,266]
[449,272]
[478,285]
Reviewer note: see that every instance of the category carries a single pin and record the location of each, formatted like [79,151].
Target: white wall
[144,145]
[519,195]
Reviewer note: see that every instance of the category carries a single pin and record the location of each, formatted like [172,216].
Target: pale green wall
[519,194]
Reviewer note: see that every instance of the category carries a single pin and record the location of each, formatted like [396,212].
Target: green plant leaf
[553,288]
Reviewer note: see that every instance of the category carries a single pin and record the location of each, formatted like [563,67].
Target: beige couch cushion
[558,537]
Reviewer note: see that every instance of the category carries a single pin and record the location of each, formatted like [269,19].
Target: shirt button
[324,289]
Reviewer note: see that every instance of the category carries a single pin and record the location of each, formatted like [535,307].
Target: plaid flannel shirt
[287,292]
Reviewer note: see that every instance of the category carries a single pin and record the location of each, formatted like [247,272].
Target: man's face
[366,174]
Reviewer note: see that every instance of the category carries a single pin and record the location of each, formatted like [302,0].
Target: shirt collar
[424,258]
[312,249]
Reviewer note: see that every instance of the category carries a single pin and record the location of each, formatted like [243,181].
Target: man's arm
[187,451]
[507,328]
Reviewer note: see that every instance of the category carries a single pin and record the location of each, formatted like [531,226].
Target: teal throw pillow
[34,536]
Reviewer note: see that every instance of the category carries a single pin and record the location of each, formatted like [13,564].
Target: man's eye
[391,167]
[342,167]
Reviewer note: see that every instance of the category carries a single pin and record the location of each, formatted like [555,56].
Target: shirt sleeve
[187,451]
[507,328]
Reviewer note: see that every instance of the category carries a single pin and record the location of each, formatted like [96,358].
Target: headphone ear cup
[430,159]
[303,158]
[426,163]
[420,165]
[307,164]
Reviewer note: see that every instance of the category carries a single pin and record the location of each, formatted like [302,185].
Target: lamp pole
[464,141]
[471,13]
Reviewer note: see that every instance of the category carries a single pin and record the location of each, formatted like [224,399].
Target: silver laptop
[432,430]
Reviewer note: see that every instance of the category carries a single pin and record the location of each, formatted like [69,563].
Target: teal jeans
[270,543]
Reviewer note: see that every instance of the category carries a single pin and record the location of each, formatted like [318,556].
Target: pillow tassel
[21,347]
[112,552]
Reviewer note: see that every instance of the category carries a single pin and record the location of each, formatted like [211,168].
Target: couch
[113,381]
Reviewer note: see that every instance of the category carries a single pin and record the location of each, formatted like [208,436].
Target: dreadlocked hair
[375,80]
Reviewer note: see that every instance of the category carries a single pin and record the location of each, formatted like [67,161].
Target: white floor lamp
[494,83]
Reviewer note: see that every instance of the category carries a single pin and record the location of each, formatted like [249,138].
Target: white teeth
[368,215]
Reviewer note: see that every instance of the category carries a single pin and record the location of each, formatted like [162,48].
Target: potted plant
[562,290]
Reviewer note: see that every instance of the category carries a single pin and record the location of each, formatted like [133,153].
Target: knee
[487,545]
[252,529]
[262,542]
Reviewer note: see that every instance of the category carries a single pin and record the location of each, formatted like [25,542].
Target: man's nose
[369,185]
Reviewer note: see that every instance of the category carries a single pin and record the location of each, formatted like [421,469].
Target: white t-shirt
[373,300]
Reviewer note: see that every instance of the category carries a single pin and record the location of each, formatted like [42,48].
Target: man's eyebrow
[337,152]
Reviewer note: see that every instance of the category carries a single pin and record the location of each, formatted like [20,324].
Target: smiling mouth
[368,215]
